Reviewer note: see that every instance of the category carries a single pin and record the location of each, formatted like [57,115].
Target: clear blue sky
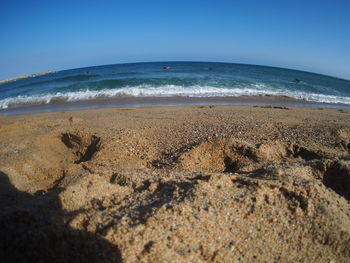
[38,35]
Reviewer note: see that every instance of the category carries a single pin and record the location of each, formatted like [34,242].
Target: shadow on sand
[34,228]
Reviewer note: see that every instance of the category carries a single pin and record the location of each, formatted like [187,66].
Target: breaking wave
[166,91]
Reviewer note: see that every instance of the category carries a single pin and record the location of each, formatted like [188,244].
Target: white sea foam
[168,91]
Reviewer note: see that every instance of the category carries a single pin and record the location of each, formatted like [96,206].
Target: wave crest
[166,91]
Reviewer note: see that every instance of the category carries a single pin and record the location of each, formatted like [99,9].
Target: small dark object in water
[297,80]
[166,67]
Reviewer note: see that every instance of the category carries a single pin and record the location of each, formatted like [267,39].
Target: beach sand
[176,184]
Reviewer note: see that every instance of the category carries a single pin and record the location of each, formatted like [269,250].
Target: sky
[43,35]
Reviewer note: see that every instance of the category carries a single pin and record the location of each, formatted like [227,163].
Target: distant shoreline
[27,76]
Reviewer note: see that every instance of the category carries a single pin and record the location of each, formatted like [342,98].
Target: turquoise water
[184,79]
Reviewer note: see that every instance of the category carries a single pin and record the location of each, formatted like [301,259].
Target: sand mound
[230,155]
[40,164]
[344,139]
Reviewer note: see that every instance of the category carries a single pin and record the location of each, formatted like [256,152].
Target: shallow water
[172,79]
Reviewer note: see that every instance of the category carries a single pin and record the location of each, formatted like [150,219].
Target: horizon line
[37,74]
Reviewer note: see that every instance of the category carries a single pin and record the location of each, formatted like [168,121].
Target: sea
[172,83]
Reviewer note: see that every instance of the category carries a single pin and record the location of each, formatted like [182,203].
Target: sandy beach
[176,184]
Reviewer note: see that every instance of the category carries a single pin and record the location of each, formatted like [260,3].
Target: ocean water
[179,79]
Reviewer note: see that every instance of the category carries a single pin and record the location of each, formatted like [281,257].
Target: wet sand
[176,184]
[139,102]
